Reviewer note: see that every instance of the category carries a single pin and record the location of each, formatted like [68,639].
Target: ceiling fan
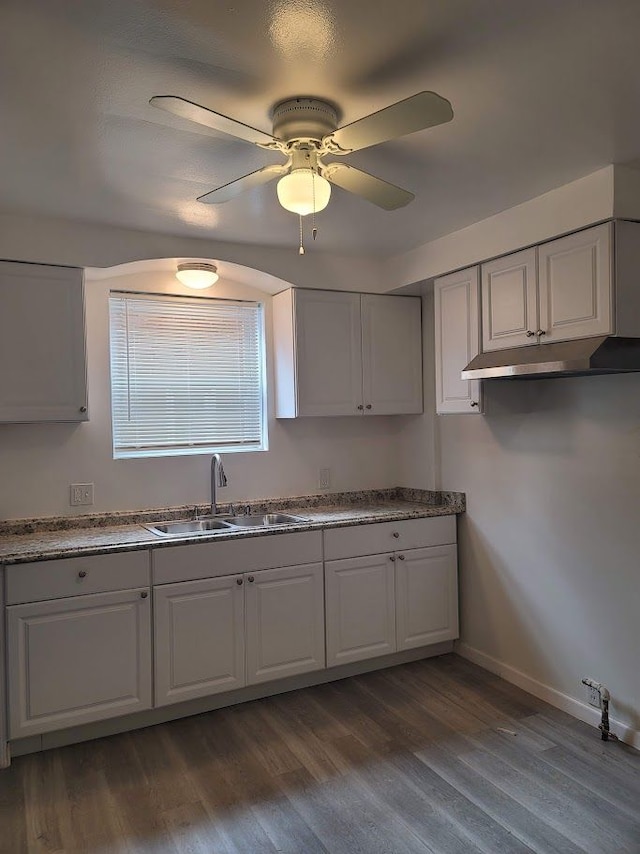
[305,131]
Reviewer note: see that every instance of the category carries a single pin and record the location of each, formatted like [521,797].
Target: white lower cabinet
[361,621]
[225,616]
[426,596]
[386,602]
[284,617]
[77,660]
[199,638]
[223,633]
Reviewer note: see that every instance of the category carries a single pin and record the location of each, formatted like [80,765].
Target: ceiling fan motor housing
[304,118]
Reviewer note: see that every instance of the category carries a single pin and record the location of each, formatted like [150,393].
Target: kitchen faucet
[218,478]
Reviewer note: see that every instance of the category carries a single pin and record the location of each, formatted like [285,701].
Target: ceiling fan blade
[418,112]
[247,182]
[203,116]
[373,189]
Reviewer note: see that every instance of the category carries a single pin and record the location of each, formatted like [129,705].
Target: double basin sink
[228,523]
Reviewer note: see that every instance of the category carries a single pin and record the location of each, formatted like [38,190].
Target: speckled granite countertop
[70,536]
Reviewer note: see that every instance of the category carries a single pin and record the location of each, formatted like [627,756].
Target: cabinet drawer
[389,536]
[210,560]
[75,576]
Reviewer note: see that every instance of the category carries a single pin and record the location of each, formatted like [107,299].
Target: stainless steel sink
[206,525]
[265,521]
[195,526]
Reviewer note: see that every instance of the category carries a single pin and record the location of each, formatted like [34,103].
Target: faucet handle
[195,511]
[247,510]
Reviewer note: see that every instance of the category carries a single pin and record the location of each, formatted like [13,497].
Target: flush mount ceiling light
[196,275]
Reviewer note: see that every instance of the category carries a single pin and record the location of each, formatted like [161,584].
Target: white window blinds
[187,375]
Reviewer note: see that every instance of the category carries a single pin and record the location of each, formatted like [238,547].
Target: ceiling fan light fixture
[196,275]
[303,191]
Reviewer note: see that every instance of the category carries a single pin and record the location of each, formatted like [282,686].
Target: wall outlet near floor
[80,493]
[593,696]
[324,479]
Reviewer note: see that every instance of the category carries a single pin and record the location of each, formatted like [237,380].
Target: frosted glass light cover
[197,276]
[296,192]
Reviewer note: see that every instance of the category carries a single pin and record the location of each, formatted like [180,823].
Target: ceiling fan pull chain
[301,249]
[314,230]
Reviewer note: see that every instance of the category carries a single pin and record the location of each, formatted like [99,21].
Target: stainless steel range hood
[581,357]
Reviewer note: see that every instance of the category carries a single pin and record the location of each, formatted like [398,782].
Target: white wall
[568,208]
[84,244]
[549,548]
[39,461]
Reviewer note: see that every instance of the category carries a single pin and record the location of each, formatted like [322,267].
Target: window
[187,375]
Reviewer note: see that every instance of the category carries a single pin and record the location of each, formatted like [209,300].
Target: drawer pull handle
[392,558]
[144,594]
[82,409]
[82,573]
[396,534]
[251,579]
[238,581]
[400,557]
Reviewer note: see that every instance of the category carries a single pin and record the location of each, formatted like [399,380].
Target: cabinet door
[74,661]
[284,622]
[360,602]
[457,340]
[199,638]
[42,344]
[576,291]
[427,596]
[328,353]
[510,301]
[391,354]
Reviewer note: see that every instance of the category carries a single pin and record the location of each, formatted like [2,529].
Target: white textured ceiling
[544,91]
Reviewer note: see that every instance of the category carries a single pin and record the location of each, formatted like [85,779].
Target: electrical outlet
[324,478]
[593,696]
[80,493]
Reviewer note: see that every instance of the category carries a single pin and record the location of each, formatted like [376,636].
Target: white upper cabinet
[457,341]
[42,344]
[318,348]
[510,301]
[554,292]
[342,353]
[575,281]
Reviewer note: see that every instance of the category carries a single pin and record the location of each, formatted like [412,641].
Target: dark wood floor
[435,756]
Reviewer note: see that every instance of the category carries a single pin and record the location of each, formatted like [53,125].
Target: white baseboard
[561,701]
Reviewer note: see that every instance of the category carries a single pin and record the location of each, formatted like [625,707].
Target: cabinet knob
[368,406]
[530,333]
[82,573]
[392,558]
[144,594]
[238,581]
[360,406]
[82,409]
[540,332]
[251,579]
[474,403]
[400,557]
[395,534]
